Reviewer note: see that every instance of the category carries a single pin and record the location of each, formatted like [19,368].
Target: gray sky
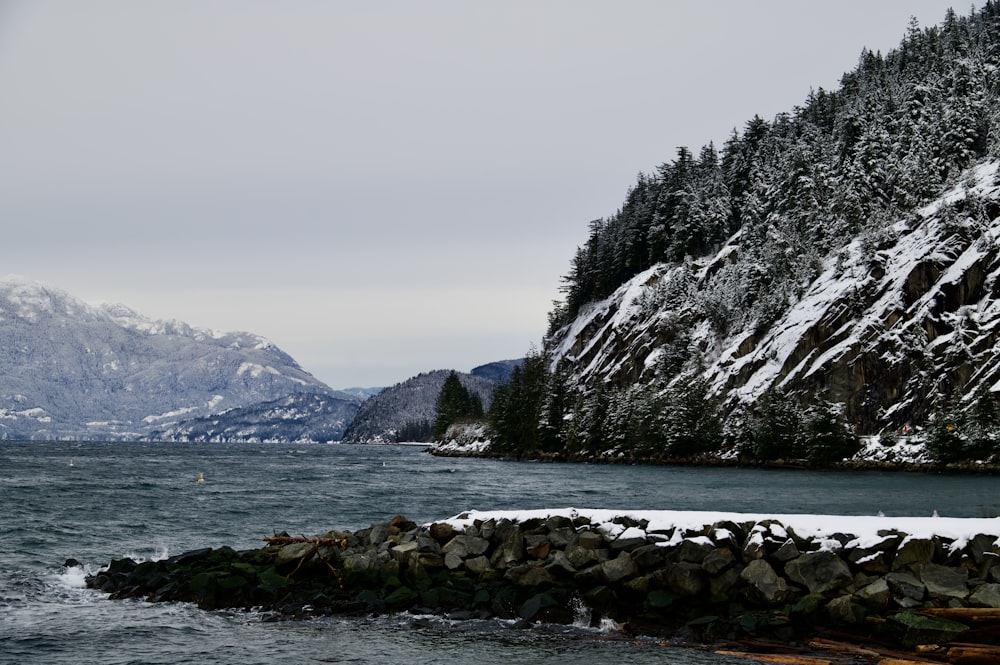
[380,188]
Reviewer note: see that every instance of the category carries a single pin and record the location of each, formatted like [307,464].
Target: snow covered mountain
[77,371]
[302,417]
[887,330]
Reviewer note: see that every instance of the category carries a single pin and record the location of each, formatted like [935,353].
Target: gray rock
[685,579]
[914,553]
[559,565]
[622,567]
[845,610]
[581,557]
[943,582]
[591,540]
[478,565]
[819,571]
[403,551]
[718,560]
[292,552]
[510,550]
[722,584]
[786,552]
[754,547]
[649,557]
[562,537]
[529,575]
[694,550]
[876,595]
[986,595]
[465,546]
[765,583]
[871,562]
[453,561]
[905,586]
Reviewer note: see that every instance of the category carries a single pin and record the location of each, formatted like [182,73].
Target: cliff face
[894,322]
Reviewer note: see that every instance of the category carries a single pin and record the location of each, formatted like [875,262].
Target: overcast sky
[379,188]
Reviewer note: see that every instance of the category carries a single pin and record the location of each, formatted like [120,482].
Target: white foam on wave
[160,553]
[74,577]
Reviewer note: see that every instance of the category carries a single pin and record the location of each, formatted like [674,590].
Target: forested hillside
[406,411]
[828,272]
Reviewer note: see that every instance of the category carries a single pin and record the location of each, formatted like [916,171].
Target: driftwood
[317,542]
[785,659]
[284,539]
[974,654]
[974,614]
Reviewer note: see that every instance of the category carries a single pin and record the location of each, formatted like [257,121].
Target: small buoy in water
[201,477]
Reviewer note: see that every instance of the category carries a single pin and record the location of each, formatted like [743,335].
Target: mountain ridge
[80,371]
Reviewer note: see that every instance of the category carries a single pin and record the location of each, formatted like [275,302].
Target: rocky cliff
[893,325]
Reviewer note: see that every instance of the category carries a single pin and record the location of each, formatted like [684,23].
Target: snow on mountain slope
[894,323]
[74,370]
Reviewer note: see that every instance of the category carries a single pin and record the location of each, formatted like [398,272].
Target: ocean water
[99,501]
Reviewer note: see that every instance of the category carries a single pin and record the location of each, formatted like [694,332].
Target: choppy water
[100,501]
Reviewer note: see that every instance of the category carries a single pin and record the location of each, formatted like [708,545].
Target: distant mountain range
[71,370]
[76,371]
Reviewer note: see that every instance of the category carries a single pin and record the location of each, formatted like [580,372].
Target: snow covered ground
[668,525]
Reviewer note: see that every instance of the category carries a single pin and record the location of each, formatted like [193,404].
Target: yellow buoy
[201,477]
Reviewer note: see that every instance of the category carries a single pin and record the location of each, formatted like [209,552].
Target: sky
[379,188]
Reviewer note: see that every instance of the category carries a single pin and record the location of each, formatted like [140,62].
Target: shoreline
[699,578]
[971,468]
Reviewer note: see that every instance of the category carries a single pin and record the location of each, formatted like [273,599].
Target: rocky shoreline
[728,581]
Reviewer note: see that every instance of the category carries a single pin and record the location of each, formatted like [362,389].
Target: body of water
[100,501]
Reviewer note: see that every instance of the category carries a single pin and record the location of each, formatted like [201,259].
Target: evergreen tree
[455,403]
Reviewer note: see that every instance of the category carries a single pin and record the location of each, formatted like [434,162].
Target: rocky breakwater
[704,576]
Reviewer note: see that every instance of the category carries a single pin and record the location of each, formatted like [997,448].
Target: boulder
[844,610]
[819,571]
[765,584]
[718,560]
[685,579]
[442,532]
[915,629]
[906,589]
[529,575]
[914,553]
[876,595]
[622,567]
[464,546]
[694,550]
[943,582]
[986,595]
